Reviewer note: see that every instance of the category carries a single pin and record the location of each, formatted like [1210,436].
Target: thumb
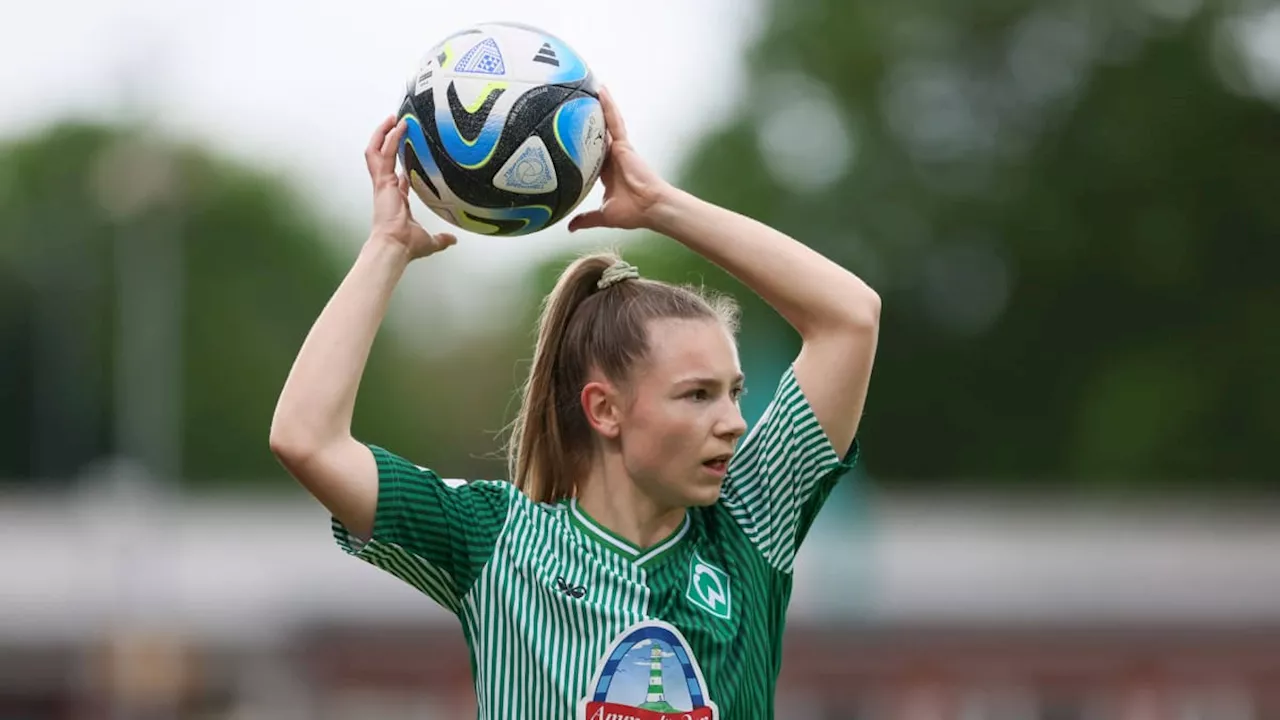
[445,240]
[586,220]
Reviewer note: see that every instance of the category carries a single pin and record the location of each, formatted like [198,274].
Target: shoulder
[788,439]
[499,492]
[524,512]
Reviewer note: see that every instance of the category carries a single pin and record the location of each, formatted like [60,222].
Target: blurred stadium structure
[129,603]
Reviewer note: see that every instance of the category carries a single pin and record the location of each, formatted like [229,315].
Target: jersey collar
[614,543]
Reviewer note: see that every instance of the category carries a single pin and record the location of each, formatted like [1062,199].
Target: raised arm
[311,429]
[836,314]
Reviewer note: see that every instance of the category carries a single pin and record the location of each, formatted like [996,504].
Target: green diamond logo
[708,587]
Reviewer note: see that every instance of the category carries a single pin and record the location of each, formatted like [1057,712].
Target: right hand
[392,219]
[632,190]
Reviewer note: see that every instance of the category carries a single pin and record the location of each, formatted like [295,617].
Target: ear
[600,403]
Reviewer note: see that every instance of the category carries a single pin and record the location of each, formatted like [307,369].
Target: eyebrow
[701,380]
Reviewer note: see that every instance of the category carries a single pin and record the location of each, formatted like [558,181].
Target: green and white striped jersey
[566,620]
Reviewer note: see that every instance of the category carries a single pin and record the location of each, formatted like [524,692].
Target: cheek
[664,435]
[676,444]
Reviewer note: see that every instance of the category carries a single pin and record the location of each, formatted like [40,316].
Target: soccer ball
[505,132]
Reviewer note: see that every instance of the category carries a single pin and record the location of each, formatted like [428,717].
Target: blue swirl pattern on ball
[569,122]
[415,144]
[474,154]
[534,217]
[415,141]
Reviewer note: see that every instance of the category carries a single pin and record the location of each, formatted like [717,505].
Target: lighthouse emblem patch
[648,673]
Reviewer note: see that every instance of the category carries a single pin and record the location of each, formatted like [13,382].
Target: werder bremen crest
[709,587]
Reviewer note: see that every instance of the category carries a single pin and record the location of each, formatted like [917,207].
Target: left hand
[631,188]
[392,218]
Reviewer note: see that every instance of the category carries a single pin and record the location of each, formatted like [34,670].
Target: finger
[609,145]
[445,240]
[609,172]
[380,170]
[403,181]
[391,143]
[586,220]
[375,142]
[613,121]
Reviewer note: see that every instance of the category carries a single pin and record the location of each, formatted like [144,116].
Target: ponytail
[541,462]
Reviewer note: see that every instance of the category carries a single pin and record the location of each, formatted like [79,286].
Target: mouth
[718,464]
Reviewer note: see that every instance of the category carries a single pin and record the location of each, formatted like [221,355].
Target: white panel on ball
[529,170]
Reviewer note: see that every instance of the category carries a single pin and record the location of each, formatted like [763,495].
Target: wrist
[381,246]
[669,205]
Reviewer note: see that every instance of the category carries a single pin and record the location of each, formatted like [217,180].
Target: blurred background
[1068,507]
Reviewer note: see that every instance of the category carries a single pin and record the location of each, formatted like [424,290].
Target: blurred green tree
[1069,210]
[95,217]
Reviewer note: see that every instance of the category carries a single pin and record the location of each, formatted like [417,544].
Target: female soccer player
[639,563]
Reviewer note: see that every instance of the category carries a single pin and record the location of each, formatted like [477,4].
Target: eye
[737,393]
[700,395]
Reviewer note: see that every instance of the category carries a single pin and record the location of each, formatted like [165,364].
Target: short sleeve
[782,474]
[434,534]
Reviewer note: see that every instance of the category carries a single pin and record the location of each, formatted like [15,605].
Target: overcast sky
[298,86]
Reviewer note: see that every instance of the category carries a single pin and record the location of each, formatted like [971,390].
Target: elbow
[851,312]
[856,310]
[291,444]
[864,309]
[847,310]
[297,443]
[284,446]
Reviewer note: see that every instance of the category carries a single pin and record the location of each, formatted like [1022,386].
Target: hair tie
[616,273]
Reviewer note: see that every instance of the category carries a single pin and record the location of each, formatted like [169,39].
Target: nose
[732,425]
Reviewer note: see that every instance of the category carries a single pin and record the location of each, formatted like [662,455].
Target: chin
[704,496]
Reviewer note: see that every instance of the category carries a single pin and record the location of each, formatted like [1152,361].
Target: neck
[612,499]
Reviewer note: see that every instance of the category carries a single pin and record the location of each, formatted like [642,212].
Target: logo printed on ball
[485,59]
[546,54]
[529,170]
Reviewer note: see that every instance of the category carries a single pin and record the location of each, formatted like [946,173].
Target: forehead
[690,347]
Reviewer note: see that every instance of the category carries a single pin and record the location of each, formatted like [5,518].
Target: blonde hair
[595,318]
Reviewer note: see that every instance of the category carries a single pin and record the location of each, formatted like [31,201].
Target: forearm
[318,399]
[811,293]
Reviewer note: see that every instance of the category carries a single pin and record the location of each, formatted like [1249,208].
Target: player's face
[682,419]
